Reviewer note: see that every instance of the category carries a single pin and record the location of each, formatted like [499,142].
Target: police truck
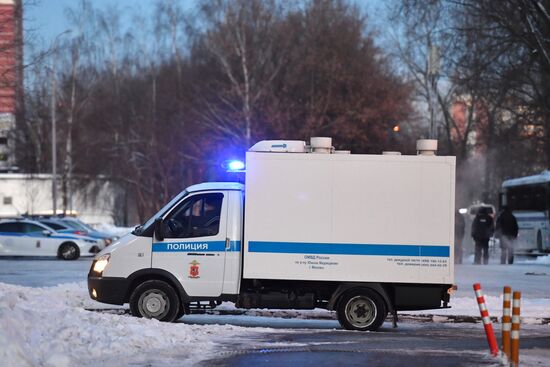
[311,227]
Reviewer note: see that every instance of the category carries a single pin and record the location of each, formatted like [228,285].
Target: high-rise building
[11,77]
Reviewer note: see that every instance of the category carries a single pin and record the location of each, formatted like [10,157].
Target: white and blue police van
[364,235]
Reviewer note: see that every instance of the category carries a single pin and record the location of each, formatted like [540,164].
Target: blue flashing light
[235,165]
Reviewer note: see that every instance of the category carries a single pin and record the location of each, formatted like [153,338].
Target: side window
[54,225]
[29,227]
[12,227]
[198,216]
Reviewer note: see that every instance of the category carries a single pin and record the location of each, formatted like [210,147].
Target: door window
[198,216]
[54,225]
[11,227]
[30,228]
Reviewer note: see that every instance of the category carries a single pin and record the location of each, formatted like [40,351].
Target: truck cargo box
[349,217]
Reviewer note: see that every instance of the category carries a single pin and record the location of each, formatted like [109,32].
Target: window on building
[3,140]
[8,200]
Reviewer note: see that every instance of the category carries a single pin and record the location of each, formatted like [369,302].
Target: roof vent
[426,146]
[321,145]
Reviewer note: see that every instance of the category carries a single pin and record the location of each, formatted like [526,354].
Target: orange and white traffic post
[506,320]
[487,324]
[515,329]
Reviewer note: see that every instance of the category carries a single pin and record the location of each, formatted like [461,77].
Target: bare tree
[242,36]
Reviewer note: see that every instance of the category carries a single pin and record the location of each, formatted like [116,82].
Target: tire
[68,251]
[181,312]
[361,309]
[539,241]
[155,299]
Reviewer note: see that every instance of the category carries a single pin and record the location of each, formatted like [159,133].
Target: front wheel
[361,309]
[68,251]
[155,299]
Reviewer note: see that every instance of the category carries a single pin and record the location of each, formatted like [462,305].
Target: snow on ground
[50,327]
[539,260]
[111,228]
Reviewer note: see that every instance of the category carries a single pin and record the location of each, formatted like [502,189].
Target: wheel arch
[144,275]
[345,287]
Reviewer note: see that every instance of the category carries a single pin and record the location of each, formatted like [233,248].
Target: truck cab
[193,243]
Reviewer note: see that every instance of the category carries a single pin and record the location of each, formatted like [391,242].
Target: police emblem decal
[194,269]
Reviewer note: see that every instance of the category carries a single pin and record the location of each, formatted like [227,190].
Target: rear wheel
[155,299]
[68,251]
[361,309]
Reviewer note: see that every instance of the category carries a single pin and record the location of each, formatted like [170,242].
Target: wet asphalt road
[411,344]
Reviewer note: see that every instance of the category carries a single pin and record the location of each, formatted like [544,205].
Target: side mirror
[47,233]
[159,229]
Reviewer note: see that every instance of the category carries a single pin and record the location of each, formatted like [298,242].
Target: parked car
[76,226]
[31,238]
[92,232]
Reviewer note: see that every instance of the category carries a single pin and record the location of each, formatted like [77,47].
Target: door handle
[227,243]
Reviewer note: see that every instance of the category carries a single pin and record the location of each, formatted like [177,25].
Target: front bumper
[112,290]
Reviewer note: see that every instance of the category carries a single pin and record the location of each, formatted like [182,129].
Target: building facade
[11,78]
[31,194]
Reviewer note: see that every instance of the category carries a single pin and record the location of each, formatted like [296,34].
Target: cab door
[13,241]
[194,244]
[37,242]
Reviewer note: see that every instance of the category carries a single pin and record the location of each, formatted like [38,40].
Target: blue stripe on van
[41,235]
[348,249]
[196,246]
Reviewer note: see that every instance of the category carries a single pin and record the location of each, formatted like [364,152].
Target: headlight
[101,263]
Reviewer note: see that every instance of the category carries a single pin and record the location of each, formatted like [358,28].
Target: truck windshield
[139,230]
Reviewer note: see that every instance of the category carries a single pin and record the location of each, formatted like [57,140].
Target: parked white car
[31,238]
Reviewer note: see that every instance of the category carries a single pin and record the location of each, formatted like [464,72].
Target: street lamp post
[54,121]
[54,139]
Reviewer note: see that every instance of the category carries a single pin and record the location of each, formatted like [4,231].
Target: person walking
[459,236]
[483,228]
[507,231]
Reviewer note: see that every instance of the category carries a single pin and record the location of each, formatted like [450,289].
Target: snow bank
[49,327]
[532,309]
[541,260]
[112,229]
